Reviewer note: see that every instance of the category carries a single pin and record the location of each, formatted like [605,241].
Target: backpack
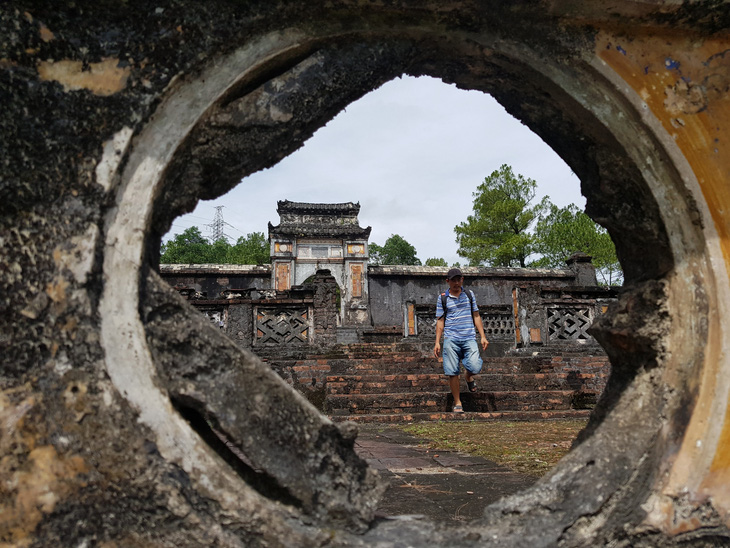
[469,294]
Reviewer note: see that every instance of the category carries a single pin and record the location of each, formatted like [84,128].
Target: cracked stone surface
[119,117]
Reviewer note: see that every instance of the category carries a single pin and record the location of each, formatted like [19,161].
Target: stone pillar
[585,272]
[325,308]
[240,326]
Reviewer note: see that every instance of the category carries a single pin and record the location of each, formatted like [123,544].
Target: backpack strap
[471,306]
[469,294]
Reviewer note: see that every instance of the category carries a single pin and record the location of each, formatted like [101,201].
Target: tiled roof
[285,206]
[302,229]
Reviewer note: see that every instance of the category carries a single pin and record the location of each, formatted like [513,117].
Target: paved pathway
[443,485]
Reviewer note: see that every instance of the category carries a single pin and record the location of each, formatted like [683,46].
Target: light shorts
[465,351]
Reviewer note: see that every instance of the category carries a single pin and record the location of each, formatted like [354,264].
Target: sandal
[472,385]
[458,409]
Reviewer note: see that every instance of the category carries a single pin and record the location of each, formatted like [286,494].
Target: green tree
[219,252]
[251,249]
[396,250]
[436,262]
[563,231]
[375,253]
[190,247]
[497,233]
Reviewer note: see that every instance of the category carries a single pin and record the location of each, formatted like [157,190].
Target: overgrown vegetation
[526,447]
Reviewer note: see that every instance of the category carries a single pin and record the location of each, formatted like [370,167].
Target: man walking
[457,316]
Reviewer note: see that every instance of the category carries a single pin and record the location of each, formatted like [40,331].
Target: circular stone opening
[261,102]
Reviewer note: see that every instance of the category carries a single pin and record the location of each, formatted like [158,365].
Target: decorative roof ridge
[288,206]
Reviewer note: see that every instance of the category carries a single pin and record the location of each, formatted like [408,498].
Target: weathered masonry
[541,356]
[541,362]
[119,117]
[520,307]
[377,302]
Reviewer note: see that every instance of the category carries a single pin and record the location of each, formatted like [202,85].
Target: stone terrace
[401,382]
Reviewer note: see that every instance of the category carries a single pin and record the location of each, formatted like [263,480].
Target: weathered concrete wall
[119,117]
[391,287]
[212,280]
[556,314]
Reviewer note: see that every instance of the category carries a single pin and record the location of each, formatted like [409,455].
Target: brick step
[429,402]
[384,384]
[370,350]
[494,366]
[374,382]
[533,366]
[359,367]
[420,364]
[535,360]
[381,347]
[340,358]
[448,416]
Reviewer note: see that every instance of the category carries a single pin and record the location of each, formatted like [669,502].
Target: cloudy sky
[411,153]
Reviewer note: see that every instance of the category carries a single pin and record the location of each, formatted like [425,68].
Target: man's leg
[454,384]
[451,356]
[472,360]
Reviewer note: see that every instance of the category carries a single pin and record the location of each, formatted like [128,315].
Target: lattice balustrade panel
[568,323]
[426,323]
[282,325]
[498,326]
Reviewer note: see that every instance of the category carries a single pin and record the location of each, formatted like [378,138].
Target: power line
[196,217]
[234,228]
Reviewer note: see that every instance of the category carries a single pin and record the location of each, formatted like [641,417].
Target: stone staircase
[401,382]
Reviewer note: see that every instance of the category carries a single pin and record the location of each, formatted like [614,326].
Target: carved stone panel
[356,278]
[568,323]
[282,325]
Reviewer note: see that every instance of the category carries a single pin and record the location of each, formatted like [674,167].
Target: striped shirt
[459,325]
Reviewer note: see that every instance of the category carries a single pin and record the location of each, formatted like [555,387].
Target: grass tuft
[526,447]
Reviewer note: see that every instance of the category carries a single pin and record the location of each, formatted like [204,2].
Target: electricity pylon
[217,225]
